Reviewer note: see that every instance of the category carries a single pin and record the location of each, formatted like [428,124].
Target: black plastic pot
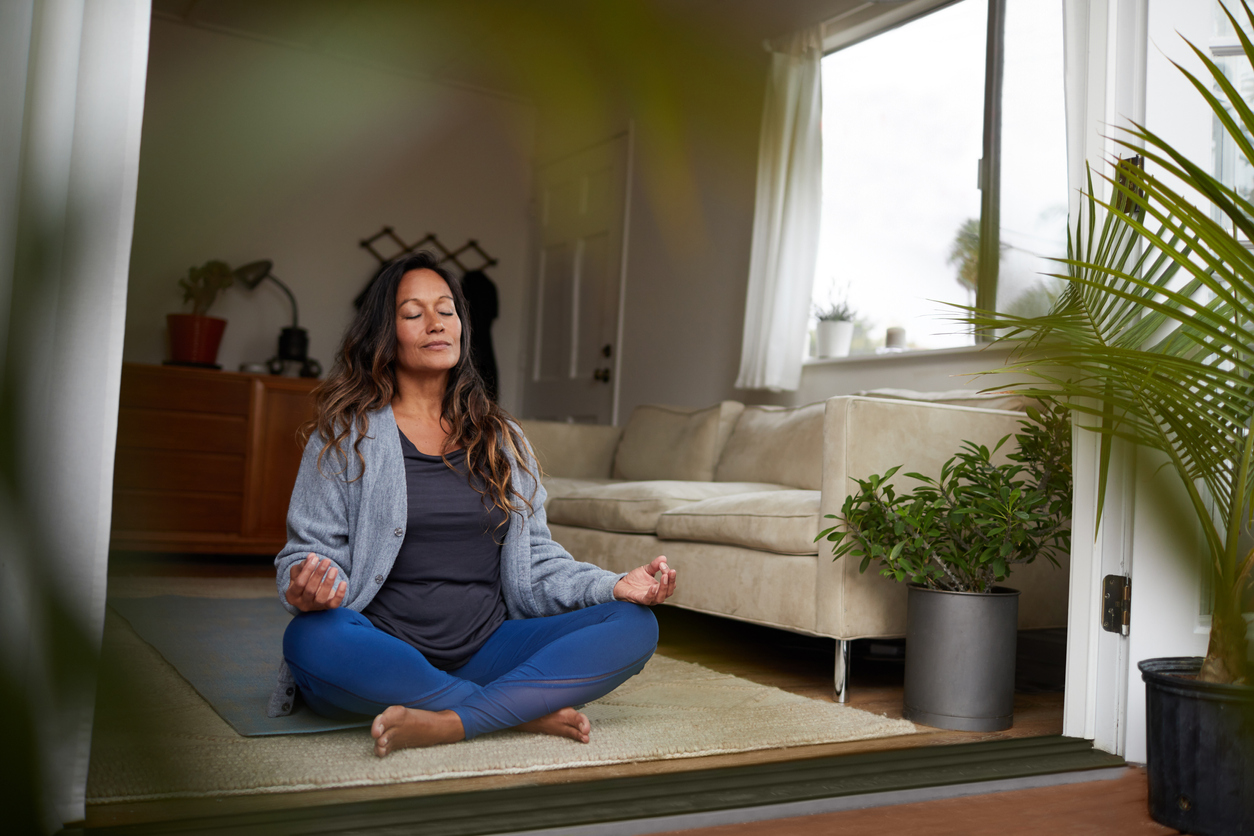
[1200,741]
[960,658]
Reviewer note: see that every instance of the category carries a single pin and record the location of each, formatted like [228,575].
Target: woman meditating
[426,588]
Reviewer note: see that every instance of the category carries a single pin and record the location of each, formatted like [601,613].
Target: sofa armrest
[862,436]
[575,451]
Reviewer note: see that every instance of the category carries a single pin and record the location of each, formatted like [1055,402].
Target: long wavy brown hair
[363,379]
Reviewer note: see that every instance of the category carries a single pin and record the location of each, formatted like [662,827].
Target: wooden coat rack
[470,248]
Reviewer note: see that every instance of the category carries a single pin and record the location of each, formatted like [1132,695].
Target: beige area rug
[156,738]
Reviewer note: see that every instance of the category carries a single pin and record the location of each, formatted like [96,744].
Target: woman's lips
[437,345]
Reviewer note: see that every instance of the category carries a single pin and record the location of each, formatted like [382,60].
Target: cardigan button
[287,706]
[398,532]
[290,691]
[378,579]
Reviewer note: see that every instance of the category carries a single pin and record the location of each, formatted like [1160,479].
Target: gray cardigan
[358,520]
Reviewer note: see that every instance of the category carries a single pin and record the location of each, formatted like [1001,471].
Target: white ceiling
[414,36]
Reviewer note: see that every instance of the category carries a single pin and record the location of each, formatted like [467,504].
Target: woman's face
[428,331]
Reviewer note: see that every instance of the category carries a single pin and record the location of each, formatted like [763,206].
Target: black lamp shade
[254,273]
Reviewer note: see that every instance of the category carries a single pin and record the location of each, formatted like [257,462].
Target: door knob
[602,375]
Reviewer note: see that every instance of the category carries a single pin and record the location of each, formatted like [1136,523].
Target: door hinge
[1116,603]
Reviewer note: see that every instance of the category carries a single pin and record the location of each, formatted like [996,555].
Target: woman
[426,588]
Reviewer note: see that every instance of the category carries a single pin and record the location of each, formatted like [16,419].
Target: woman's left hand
[644,584]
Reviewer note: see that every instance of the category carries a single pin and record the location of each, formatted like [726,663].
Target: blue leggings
[346,667]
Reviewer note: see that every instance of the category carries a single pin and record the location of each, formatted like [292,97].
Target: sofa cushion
[634,507]
[578,451]
[778,445]
[784,522]
[559,486]
[674,443]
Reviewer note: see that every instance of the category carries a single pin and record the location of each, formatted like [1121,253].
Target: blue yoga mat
[229,650]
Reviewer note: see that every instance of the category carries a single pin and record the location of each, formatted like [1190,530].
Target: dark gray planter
[1200,742]
[960,658]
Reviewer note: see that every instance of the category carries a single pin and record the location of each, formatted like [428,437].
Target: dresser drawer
[175,470]
[148,510]
[190,390]
[163,429]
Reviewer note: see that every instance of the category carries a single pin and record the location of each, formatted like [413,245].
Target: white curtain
[71,108]
[785,218]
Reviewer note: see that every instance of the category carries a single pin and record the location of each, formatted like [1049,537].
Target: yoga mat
[229,649]
[155,738]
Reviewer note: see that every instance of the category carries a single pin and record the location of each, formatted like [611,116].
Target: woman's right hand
[307,594]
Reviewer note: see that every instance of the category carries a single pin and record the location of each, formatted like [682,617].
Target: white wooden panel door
[582,203]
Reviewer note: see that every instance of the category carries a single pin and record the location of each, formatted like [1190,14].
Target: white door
[1146,532]
[572,373]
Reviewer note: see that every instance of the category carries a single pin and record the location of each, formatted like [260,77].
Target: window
[1231,167]
[903,123]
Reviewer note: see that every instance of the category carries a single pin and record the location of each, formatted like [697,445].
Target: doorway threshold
[789,785]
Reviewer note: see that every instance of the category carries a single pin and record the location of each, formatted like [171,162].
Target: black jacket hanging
[482,302]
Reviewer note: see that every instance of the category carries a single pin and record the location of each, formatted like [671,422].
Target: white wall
[685,297]
[254,150]
[687,274]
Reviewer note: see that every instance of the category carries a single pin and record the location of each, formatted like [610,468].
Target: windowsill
[902,356]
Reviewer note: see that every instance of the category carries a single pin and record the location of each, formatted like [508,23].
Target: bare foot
[399,727]
[565,722]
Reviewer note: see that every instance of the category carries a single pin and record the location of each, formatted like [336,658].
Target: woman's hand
[307,594]
[641,587]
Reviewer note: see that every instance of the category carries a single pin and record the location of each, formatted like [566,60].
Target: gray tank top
[443,595]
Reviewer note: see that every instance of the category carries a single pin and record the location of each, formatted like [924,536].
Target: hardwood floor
[799,664]
[1100,808]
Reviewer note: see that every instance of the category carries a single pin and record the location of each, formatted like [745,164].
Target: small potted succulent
[954,540]
[835,329]
[195,337]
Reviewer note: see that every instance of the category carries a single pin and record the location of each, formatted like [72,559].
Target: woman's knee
[639,625]
[312,636]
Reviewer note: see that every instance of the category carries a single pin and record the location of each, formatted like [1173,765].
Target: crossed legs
[529,674]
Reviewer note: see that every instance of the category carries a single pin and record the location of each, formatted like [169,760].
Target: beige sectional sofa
[734,497]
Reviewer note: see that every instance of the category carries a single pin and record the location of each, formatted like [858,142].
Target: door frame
[1112,37]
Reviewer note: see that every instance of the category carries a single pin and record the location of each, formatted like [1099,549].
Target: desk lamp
[294,340]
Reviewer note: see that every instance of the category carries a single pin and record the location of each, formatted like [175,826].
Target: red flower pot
[194,339]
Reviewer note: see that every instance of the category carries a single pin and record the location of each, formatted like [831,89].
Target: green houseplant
[1152,338]
[195,337]
[955,539]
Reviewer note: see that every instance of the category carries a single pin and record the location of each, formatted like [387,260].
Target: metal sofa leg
[842,670]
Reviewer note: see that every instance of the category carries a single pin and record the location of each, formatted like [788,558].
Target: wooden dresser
[206,459]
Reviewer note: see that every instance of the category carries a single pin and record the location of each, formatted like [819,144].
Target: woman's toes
[391,717]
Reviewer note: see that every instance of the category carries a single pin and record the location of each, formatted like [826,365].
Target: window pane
[902,127]
[1231,166]
[1033,159]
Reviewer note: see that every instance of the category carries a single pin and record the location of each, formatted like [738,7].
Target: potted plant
[195,337]
[1152,338]
[954,539]
[834,334]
